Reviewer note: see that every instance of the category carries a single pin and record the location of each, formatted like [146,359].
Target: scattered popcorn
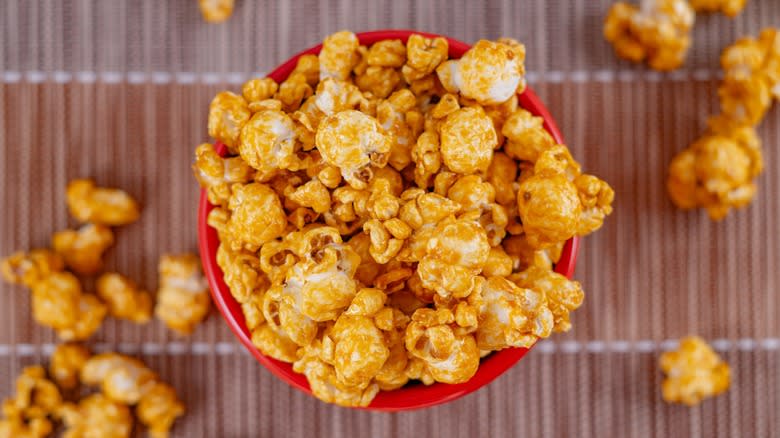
[103,206]
[658,31]
[58,302]
[693,372]
[397,215]
[216,11]
[83,249]
[97,415]
[30,268]
[30,412]
[124,298]
[159,408]
[183,295]
[66,364]
[732,8]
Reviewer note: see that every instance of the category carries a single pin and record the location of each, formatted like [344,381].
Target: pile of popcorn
[717,172]
[388,214]
[123,382]
[58,299]
[693,372]
[658,31]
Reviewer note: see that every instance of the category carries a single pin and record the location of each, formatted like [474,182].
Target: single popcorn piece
[183,297]
[218,174]
[693,372]
[658,31]
[511,316]
[55,300]
[96,415]
[91,314]
[325,384]
[243,273]
[124,298]
[30,268]
[159,408]
[83,249]
[216,11]
[717,171]
[423,55]
[732,8]
[352,141]
[359,350]
[526,138]
[448,356]
[267,141]
[228,113]
[467,141]
[563,296]
[489,72]
[29,412]
[66,363]
[257,215]
[101,206]
[282,316]
[338,55]
[258,90]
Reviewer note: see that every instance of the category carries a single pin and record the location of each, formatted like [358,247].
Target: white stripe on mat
[545,347]
[162,77]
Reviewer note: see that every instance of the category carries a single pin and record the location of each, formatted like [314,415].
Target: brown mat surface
[118,91]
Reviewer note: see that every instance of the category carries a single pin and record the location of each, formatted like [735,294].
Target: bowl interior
[413,395]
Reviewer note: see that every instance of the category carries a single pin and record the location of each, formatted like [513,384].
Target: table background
[118,91]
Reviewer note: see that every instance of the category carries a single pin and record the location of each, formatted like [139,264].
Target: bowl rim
[416,395]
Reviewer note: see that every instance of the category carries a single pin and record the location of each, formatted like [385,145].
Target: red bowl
[413,395]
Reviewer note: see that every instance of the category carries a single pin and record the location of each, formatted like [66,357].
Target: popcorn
[388,211]
[467,141]
[693,372]
[30,268]
[511,316]
[82,250]
[36,401]
[489,72]
[183,297]
[159,408]
[338,55]
[732,8]
[101,206]
[351,141]
[58,302]
[658,32]
[717,171]
[257,215]
[216,11]
[228,113]
[97,415]
[91,315]
[66,364]
[124,298]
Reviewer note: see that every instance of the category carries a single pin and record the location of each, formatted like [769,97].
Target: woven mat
[118,91]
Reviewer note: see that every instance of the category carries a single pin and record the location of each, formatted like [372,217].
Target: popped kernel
[216,11]
[359,350]
[326,386]
[423,55]
[309,66]
[97,416]
[511,316]
[313,194]
[526,138]
[66,364]
[391,115]
[563,296]
[502,174]
[103,206]
[124,298]
[30,268]
[217,174]
[228,113]
[293,91]
[257,215]
[449,357]
[91,312]
[267,141]
[427,158]
[242,273]
[283,317]
[387,53]
[489,72]
[83,249]
[259,89]
[658,31]
[351,141]
[694,372]
[338,55]
[55,300]
[183,295]
[468,140]
[272,344]
[159,408]
[29,412]
[731,8]
[524,255]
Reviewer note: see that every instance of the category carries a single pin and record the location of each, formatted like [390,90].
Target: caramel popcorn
[124,298]
[97,416]
[693,372]
[489,72]
[83,249]
[29,413]
[30,268]
[58,302]
[732,8]
[66,364]
[216,11]
[159,408]
[183,298]
[394,215]
[101,206]
[658,31]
